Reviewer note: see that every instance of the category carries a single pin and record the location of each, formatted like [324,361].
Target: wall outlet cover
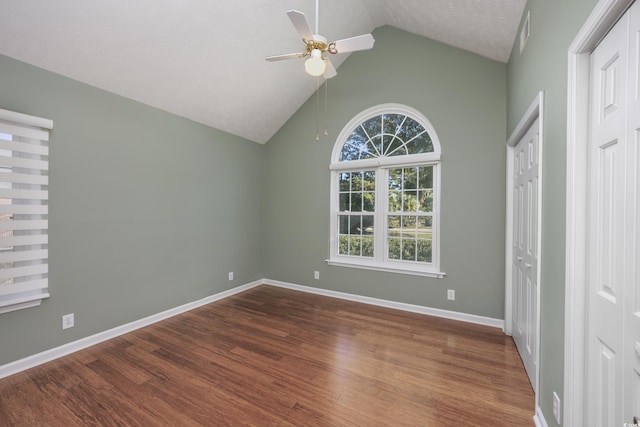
[68,321]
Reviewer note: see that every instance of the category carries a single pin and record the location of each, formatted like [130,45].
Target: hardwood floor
[276,357]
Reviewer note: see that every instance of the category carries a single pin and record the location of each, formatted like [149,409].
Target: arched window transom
[386,135]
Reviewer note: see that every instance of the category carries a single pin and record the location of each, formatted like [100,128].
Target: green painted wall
[148,210]
[543,67]
[464,97]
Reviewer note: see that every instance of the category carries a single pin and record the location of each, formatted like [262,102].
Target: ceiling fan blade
[285,56]
[300,22]
[352,44]
[330,71]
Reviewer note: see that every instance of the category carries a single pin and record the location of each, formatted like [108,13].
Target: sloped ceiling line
[204,59]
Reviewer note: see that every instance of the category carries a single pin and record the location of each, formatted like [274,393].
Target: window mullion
[382,199]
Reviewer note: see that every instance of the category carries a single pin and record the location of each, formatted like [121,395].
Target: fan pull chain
[318,109]
[326,109]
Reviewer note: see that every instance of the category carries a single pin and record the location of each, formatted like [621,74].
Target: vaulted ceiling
[204,59]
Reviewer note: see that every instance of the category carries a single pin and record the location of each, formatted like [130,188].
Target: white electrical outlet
[230,275]
[68,321]
[451,294]
[316,275]
[556,407]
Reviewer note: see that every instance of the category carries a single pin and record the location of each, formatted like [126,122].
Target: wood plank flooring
[277,357]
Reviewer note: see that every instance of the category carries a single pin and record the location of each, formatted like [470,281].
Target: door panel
[525,257]
[605,250]
[613,240]
[632,268]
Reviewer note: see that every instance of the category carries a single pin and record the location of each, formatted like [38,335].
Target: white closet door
[613,277]
[525,251]
[632,234]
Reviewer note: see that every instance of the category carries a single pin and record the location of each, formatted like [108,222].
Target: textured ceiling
[204,59]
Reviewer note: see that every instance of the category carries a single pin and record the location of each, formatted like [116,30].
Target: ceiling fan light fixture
[315,65]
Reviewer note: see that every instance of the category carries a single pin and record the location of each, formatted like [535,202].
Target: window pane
[356,181]
[392,123]
[343,224]
[343,247]
[367,224]
[394,248]
[369,201]
[369,180]
[426,201]
[395,201]
[355,245]
[420,144]
[393,226]
[352,199]
[345,181]
[356,202]
[368,152]
[376,142]
[395,179]
[409,201]
[408,249]
[355,225]
[424,230]
[409,226]
[367,246]
[390,143]
[416,137]
[361,146]
[424,250]
[349,152]
[426,177]
[358,137]
[373,126]
[396,148]
[344,202]
[410,178]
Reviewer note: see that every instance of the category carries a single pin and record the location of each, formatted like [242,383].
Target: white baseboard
[63,350]
[454,315]
[538,418]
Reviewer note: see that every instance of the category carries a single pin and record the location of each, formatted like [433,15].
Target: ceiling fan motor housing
[319,42]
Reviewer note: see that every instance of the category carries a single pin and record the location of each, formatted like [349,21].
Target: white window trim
[382,165]
[27,294]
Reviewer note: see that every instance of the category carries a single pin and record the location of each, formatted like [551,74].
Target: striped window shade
[24,209]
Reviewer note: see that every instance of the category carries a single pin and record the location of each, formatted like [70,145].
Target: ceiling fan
[316,46]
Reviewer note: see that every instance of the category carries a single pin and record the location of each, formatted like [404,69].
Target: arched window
[385,193]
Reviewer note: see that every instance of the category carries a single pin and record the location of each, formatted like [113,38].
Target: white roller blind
[24,209]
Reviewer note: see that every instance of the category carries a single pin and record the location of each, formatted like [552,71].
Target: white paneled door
[525,250]
[632,248]
[613,274]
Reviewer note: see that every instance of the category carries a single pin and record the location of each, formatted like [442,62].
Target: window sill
[15,304]
[386,268]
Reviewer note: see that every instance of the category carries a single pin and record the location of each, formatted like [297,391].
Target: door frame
[603,17]
[533,113]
